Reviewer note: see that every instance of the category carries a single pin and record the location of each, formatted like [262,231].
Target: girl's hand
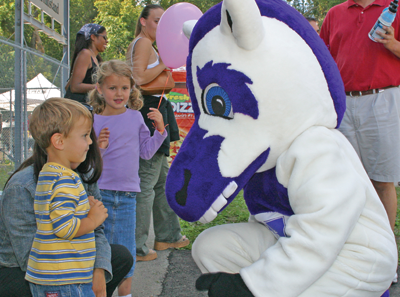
[156,116]
[103,138]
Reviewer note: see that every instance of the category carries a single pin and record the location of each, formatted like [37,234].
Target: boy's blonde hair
[55,115]
[118,68]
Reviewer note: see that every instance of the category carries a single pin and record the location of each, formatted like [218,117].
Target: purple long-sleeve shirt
[129,139]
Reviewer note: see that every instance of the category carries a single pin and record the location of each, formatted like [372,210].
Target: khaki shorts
[372,125]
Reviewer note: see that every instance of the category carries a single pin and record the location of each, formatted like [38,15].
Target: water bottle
[385,19]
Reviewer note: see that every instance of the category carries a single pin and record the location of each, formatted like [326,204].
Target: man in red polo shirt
[371,73]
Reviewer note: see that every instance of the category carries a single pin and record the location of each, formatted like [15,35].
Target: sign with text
[54,8]
[183,111]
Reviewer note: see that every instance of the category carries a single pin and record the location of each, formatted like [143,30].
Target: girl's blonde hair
[118,68]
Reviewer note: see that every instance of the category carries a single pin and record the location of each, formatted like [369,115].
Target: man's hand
[389,41]
[99,283]
[223,285]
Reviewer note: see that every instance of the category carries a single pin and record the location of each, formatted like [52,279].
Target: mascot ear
[242,18]
[188,27]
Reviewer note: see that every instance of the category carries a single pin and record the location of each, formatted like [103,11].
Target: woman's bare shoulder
[84,54]
[84,57]
[144,42]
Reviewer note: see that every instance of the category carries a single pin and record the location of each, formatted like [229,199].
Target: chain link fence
[42,76]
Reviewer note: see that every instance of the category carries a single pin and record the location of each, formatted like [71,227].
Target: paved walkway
[174,273]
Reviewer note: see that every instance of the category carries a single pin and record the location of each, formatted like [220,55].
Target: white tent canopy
[38,89]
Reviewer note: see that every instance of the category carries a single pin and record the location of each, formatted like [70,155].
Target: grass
[5,169]
[397,224]
[235,212]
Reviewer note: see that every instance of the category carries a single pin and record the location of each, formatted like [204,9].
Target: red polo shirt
[363,64]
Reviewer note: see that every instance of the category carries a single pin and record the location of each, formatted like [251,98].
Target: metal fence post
[19,82]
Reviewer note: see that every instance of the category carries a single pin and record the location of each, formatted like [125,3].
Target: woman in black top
[90,41]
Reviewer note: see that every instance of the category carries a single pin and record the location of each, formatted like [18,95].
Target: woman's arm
[143,51]
[19,220]
[103,249]
[82,63]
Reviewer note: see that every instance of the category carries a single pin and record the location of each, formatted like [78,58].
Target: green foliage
[235,212]
[314,8]
[81,12]
[7,9]
[119,18]
[6,167]
[203,5]
[7,67]
[397,223]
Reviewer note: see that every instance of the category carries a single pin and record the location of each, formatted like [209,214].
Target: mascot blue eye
[216,102]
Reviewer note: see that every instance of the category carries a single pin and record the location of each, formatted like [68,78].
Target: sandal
[152,255]
[160,246]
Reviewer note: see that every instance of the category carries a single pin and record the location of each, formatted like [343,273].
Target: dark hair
[145,14]
[80,44]
[311,19]
[91,167]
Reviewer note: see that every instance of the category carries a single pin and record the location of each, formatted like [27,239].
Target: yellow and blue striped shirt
[58,257]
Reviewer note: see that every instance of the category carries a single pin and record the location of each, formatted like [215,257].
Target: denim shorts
[74,290]
[121,222]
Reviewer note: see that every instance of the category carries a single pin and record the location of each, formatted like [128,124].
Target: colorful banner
[180,100]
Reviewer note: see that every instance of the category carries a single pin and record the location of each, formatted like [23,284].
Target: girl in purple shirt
[123,137]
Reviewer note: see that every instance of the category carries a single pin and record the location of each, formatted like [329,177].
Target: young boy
[63,252]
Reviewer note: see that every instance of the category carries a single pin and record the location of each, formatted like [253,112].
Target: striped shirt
[58,257]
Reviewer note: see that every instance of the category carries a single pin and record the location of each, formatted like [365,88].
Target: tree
[314,8]
[7,9]
[119,18]
[81,12]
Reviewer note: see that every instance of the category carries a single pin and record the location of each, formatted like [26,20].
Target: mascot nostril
[181,195]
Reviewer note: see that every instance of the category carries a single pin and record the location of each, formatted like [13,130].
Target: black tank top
[89,74]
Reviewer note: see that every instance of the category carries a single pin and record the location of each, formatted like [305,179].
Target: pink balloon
[172,43]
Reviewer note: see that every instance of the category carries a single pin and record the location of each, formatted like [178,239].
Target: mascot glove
[223,285]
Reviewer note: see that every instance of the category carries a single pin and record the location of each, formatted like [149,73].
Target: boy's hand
[156,116]
[91,201]
[103,138]
[97,213]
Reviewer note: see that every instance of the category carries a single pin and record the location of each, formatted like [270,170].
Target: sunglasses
[104,36]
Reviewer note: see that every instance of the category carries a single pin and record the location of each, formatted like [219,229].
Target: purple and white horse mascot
[267,98]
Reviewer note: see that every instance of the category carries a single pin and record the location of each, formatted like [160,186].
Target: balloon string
[162,95]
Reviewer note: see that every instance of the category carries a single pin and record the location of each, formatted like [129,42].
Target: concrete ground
[174,273]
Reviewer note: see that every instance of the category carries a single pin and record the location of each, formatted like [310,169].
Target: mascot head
[258,76]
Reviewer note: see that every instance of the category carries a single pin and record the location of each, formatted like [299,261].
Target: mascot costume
[267,98]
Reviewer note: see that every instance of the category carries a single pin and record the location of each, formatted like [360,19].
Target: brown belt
[367,92]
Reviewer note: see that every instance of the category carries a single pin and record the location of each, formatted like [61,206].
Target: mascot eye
[216,102]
